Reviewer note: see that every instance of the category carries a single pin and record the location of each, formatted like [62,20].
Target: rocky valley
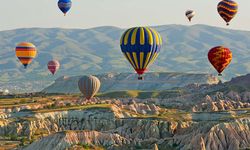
[113,126]
[196,116]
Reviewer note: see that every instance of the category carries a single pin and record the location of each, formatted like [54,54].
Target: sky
[120,13]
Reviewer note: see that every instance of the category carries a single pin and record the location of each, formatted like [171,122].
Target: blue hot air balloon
[64,5]
[141,46]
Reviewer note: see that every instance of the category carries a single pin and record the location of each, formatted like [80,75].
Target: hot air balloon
[25,52]
[89,86]
[141,47]
[190,14]
[64,6]
[220,57]
[53,66]
[227,9]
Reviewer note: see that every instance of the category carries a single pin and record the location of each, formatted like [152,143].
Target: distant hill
[127,81]
[96,51]
[233,89]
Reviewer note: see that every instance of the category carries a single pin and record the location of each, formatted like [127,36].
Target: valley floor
[69,122]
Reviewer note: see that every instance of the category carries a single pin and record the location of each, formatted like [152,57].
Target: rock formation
[67,139]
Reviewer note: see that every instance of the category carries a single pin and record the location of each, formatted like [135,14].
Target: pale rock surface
[215,136]
[212,105]
[67,139]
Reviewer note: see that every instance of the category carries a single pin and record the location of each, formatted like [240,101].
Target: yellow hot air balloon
[26,52]
[141,47]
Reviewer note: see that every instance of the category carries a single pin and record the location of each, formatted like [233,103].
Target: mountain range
[126,81]
[96,51]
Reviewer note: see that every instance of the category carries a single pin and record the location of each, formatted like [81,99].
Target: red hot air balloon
[220,57]
[53,66]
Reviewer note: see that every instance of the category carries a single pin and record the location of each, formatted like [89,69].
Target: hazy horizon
[86,14]
[76,28]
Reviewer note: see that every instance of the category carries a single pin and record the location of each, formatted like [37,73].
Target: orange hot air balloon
[53,66]
[227,9]
[26,52]
[220,57]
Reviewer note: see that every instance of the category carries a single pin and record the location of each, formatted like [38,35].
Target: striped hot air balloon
[64,6]
[89,86]
[141,47]
[220,57]
[26,52]
[190,14]
[227,9]
[53,66]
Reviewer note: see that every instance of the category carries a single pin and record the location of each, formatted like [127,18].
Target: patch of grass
[6,145]
[119,94]
[15,102]
[143,94]
[88,147]
[95,106]
[41,132]
[169,115]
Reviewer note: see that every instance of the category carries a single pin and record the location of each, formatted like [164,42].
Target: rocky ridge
[127,81]
[67,139]
[210,105]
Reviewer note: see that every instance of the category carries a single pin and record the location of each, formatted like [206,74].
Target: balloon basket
[140,78]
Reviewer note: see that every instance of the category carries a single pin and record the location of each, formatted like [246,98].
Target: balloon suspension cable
[220,78]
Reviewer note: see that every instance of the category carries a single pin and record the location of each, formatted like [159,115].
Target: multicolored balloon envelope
[227,9]
[190,14]
[89,86]
[64,5]
[220,57]
[26,52]
[141,47]
[53,66]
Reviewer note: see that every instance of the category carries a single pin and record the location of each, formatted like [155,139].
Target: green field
[142,94]
[83,107]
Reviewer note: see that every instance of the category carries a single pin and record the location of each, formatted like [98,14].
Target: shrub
[22,101]
[13,137]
